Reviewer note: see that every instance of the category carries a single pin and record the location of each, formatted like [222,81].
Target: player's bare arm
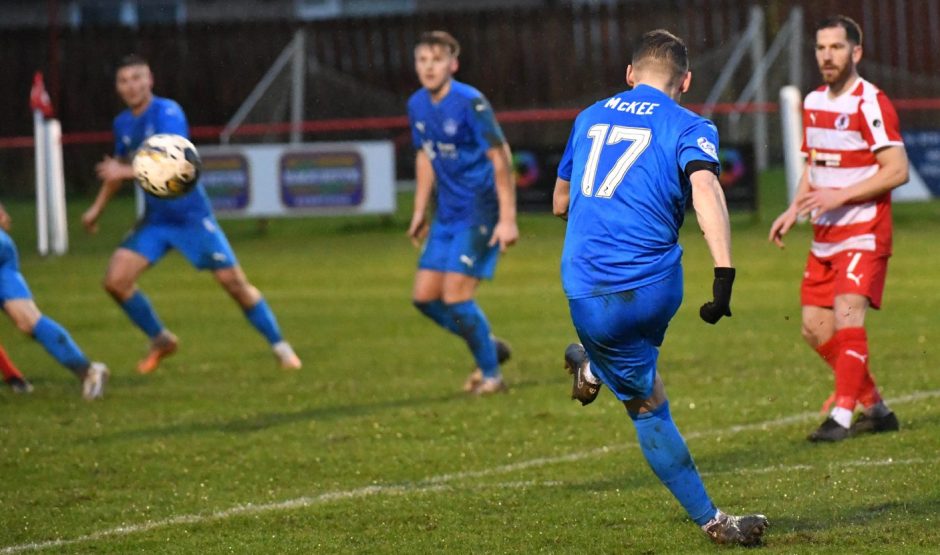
[561,198]
[5,221]
[506,232]
[424,184]
[712,214]
[785,221]
[892,172]
[113,173]
[708,199]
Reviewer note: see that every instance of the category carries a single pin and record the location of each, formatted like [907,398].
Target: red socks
[847,354]
[7,368]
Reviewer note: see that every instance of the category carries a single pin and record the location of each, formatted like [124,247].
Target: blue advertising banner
[226,178]
[321,179]
[923,151]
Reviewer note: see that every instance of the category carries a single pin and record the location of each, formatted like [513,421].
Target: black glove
[713,310]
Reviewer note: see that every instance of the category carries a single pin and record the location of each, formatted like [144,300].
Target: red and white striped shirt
[841,136]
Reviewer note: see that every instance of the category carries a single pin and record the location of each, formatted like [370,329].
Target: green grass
[371,448]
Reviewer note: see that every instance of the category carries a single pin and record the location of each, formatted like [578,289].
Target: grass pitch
[371,448]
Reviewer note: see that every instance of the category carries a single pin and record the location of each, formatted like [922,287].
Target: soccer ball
[166,165]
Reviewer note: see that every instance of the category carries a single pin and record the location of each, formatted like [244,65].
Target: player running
[460,150]
[19,305]
[856,157]
[634,159]
[185,223]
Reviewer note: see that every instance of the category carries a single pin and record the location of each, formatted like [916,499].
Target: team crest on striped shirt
[842,122]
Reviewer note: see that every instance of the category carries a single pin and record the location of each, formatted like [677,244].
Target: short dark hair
[132,60]
[439,38]
[852,30]
[663,48]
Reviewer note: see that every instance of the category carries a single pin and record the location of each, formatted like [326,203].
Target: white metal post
[42,217]
[55,177]
[796,47]
[298,81]
[791,123]
[279,64]
[758,48]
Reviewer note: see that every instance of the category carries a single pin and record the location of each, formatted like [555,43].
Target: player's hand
[5,221]
[505,234]
[90,219]
[781,226]
[720,305]
[418,228]
[110,169]
[817,202]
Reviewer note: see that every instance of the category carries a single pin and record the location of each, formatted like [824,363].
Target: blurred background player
[19,305]
[463,157]
[856,157]
[633,159]
[185,223]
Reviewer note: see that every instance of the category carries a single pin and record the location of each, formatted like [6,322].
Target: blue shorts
[622,332]
[12,283]
[462,248]
[202,242]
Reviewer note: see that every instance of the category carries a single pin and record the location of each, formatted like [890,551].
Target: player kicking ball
[633,159]
[463,158]
[19,305]
[185,223]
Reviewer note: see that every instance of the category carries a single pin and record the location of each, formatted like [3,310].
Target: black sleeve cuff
[696,165]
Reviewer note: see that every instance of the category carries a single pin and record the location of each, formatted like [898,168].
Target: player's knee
[118,288]
[812,335]
[849,318]
[25,320]
[25,325]
[242,291]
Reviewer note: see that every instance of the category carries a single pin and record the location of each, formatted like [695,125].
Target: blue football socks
[140,311]
[262,318]
[667,454]
[58,343]
[471,324]
[436,310]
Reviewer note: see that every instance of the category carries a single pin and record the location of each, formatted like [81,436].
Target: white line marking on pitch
[829,466]
[438,483]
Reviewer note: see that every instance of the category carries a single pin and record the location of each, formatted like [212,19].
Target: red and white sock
[851,367]
[829,352]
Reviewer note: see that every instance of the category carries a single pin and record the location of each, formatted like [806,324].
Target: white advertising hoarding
[304,179]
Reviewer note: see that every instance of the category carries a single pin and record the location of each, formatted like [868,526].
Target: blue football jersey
[162,116]
[625,160]
[455,133]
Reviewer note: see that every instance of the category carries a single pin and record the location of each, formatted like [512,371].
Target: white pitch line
[863,463]
[437,483]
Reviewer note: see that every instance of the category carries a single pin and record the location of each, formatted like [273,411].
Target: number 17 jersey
[626,160]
